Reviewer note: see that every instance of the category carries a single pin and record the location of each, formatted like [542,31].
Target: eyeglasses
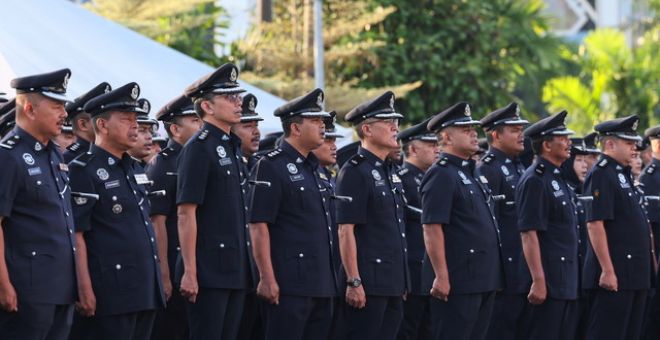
[234,97]
[389,122]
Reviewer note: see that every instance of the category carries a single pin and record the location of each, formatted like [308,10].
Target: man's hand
[269,290]
[355,297]
[538,292]
[608,281]
[167,286]
[189,287]
[441,288]
[87,304]
[8,299]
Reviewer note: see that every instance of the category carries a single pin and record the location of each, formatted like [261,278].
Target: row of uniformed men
[293,227]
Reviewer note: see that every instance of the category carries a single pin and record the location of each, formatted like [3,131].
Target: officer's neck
[460,153]
[510,153]
[556,161]
[414,160]
[621,160]
[298,145]
[220,124]
[110,147]
[377,150]
[35,133]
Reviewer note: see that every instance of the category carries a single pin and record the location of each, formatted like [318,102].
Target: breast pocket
[228,256]
[118,273]
[35,265]
[39,189]
[301,263]
[300,195]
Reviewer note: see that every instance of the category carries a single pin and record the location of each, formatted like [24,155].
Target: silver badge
[292,168]
[505,171]
[622,179]
[221,151]
[517,111]
[28,159]
[467,110]
[107,89]
[392,102]
[111,161]
[319,99]
[80,200]
[634,126]
[65,83]
[555,185]
[102,173]
[135,92]
[117,208]
[145,106]
[233,75]
[252,105]
[376,174]
[37,146]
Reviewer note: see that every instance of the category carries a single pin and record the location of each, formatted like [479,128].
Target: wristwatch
[354,282]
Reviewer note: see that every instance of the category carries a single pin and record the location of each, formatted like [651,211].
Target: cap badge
[517,111]
[252,105]
[145,106]
[634,126]
[376,174]
[221,151]
[134,92]
[65,83]
[233,75]
[392,102]
[467,110]
[292,168]
[107,89]
[28,159]
[319,99]
[102,173]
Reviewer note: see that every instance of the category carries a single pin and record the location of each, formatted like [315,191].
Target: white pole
[319,74]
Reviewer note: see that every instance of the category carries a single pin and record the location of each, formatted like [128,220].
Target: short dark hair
[405,147]
[537,144]
[104,116]
[286,124]
[489,133]
[198,103]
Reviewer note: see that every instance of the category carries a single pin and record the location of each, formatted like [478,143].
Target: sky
[240,17]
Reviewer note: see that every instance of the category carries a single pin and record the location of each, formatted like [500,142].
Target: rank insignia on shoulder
[651,169]
[203,135]
[274,153]
[540,169]
[602,163]
[74,147]
[357,159]
[443,161]
[489,158]
[403,171]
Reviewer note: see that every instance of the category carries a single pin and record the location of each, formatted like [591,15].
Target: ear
[174,130]
[546,146]
[295,129]
[28,110]
[366,130]
[206,106]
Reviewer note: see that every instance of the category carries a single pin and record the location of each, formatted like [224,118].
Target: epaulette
[602,163]
[203,135]
[10,143]
[82,159]
[443,161]
[402,171]
[650,169]
[489,158]
[540,169]
[73,147]
[356,159]
[274,153]
[165,152]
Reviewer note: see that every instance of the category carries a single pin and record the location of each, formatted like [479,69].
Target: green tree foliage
[189,26]
[614,80]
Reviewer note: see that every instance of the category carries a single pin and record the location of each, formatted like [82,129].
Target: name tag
[64,167]
[625,185]
[558,193]
[379,183]
[141,179]
[466,181]
[298,177]
[34,171]
[322,176]
[225,161]
[483,179]
[112,184]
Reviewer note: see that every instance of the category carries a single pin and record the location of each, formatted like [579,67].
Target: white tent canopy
[45,35]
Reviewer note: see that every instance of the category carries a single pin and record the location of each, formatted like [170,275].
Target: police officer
[291,227]
[372,226]
[248,131]
[117,259]
[213,232]
[181,123]
[502,168]
[7,117]
[547,223]
[462,268]
[81,121]
[593,152]
[37,273]
[618,267]
[142,151]
[420,149]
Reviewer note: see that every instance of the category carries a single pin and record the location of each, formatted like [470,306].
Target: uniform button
[326,213]
[38,182]
[563,259]
[399,220]
[329,229]
[152,240]
[629,256]
[118,266]
[74,249]
[471,251]
[382,193]
[246,209]
[248,243]
[323,199]
[247,226]
[330,242]
[222,245]
[178,248]
[397,206]
[510,259]
[114,198]
[471,192]
[405,250]
[630,194]
[243,191]
[228,172]
[378,261]
[563,202]
[146,223]
[155,257]
[301,255]
[66,214]
[403,234]
[579,241]
[34,253]
[302,188]
[134,192]
[319,186]
[57,179]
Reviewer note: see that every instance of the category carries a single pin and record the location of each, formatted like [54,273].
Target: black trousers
[171,322]
[338,327]
[35,321]
[416,322]
[252,325]
[462,317]
[552,320]
[216,314]
[616,315]
[129,326]
[380,319]
[507,321]
[298,317]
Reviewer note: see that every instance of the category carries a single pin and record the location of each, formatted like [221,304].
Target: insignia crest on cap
[28,159]
[467,110]
[145,106]
[634,126]
[517,111]
[134,92]
[233,74]
[392,102]
[319,99]
[555,185]
[292,168]
[102,173]
[65,82]
[221,151]
[376,174]
[252,105]
[107,89]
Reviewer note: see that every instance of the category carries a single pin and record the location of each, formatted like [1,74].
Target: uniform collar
[373,159]
[83,143]
[458,161]
[173,145]
[612,162]
[223,136]
[34,145]
[503,156]
[549,167]
[294,154]
[109,159]
[412,168]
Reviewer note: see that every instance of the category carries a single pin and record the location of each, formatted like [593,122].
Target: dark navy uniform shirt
[411,178]
[76,149]
[545,203]
[298,216]
[377,211]
[617,203]
[163,173]
[329,189]
[503,173]
[458,199]
[121,245]
[209,175]
[37,223]
[650,180]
